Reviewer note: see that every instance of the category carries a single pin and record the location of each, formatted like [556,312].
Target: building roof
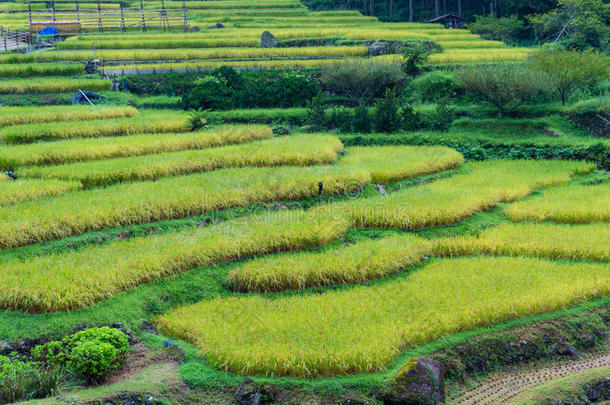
[446,17]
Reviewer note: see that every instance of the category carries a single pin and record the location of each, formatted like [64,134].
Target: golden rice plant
[357,263]
[163,54]
[298,150]
[575,204]
[21,190]
[479,187]
[259,64]
[363,328]
[153,122]
[174,197]
[480,55]
[80,278]
[80,150]
[556,241]
[38,114]
[388,164]
[37,69]
[51,85]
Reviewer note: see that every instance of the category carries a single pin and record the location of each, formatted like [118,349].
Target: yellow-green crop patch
[482,186]
[80,278]
[575,204]
[556,241]
[147,122]
[32,115]
[298,150]
[358,263]
[51,85]
[23,190]
[79,150]
[361,329]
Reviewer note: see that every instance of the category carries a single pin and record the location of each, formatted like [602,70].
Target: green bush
[442,117]
[340,118]
[507,29]
[51,354]
[27,380]
[362,119]
[410,119]
[387,117]
[434,85]
[208,93]
[316,113]
[416,57]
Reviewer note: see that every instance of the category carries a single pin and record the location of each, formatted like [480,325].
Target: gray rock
[248,393]
[195,29]
[381,189]
[268,40]
[566,350]
[149,328]
[6,348]
[419,382]
[92,66]
[379,48]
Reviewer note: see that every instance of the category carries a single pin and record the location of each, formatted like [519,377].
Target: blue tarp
[49,31]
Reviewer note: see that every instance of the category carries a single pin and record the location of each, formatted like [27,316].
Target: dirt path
[502,387]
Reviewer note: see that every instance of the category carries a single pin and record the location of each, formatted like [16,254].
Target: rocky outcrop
[268,40]
[419,382]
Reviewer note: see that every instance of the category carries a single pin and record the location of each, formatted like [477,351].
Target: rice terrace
[304,202]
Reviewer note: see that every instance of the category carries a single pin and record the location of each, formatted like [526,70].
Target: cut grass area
[148,121]
[575,204]
[358,263]
[182,196]
[22,190]
[32,115]
[555,241]
[51,85]
[564,390]
[77,279]
[479,187]
[79,150]
[363,328]
[298,150]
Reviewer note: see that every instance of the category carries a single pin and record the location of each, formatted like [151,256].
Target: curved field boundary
[504,387]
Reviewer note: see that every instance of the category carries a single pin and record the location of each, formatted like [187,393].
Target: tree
[506,29]
[582,24]
[569,71]
[361,80]
[415,57]
[387,117]
[505,86]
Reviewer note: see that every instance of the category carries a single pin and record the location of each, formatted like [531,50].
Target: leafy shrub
[593,115]
[506,29]
[281,130]
[434,85]
[387,117]
[316,113]
[51,354]
[208,93]
[410,119]
[340,118]
[199,119]
[443,116]
[361,80]
[505,86]
[362,119]
[415,58]
[27,380]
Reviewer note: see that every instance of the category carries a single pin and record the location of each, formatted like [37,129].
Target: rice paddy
[22,190]
[51,85]
[31,115]
[305,150]
[361,329]
[576,204]
[81,150]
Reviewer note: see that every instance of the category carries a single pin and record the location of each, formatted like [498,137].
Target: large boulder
[268,40]
[379,48]
[419,382]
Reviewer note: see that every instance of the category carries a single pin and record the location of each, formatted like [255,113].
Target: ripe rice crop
[556,241]
[181,54]
[79,150]
[21,190]
[175,197]
[159,43]
[80,278]
[482,186]
[35,69]
[145,122]
[52,85]
[362,328]
[471,44]
[576,204]
[220,5]
[358,263]
[148,201]
[298,150]
[388,164]
[262,64]
[31,115]
[480,55]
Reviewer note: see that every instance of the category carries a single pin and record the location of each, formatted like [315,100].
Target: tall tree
[411,10]
[437,6]
[460,8]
